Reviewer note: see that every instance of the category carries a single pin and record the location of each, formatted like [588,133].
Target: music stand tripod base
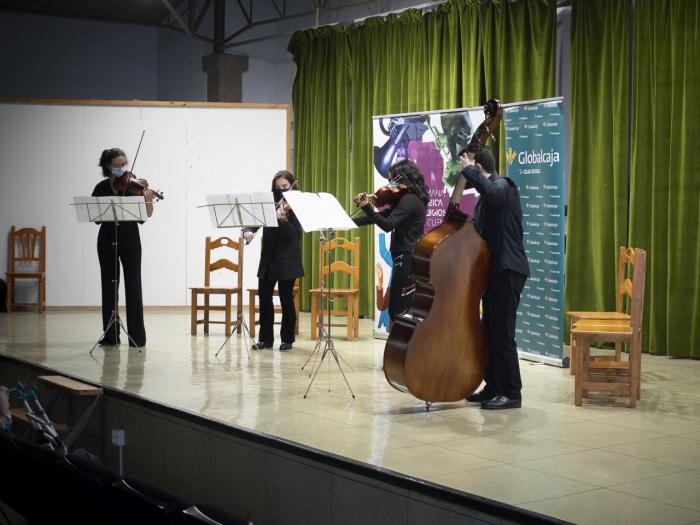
[324,336]
[240,323]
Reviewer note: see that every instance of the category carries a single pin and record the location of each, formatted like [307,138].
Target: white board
[49,153]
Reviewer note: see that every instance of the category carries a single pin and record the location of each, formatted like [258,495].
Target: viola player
[280,263]
[405,220]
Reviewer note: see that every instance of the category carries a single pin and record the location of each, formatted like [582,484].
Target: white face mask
[118,172]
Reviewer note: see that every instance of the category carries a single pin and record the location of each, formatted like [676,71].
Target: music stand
[241,210]
[116,209]
[323,213]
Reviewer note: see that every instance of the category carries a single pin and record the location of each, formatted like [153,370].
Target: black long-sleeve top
[405,220]
[498,217]
[280,259]
[104,189]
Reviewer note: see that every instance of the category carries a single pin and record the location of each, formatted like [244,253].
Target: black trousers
[399,299]
[129,251]
[500,308]
[267,310]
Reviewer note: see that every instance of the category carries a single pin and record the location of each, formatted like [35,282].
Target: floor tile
[599,467]
[592,434]
[511,447]
[423,461]
[670,450]
[511,484]
[605,507]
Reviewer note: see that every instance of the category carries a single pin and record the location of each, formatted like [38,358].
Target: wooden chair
[625,266]
[352,294]
[254,308]
[207,291]
[24,245]
[613,375]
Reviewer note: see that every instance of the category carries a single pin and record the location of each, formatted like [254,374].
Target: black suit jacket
[280,259]
[499,219]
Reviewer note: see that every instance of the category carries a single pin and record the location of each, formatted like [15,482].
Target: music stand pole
[322,332]
[115,319]
[322,327]
[328,343]
[239,211]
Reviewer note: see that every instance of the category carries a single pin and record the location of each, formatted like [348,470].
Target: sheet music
[235,210]
[99,209]
[318,211]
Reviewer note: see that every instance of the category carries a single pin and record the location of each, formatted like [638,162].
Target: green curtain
[321,126]
[665,195]
[411,62]
[519,43]
[597,211]
[405,63]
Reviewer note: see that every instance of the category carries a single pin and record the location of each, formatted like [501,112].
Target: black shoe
[479,397]
[500,403]
[105,341]
[261,346]
[285,346]
[137,345]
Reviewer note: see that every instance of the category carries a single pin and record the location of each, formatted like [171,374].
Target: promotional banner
[534,142]
[432,140]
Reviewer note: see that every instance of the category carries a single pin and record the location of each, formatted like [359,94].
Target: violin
[386,195]
[128,184]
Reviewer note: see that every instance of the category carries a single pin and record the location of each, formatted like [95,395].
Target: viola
[389,194]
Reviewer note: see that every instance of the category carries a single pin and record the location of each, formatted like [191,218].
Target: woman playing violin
[280,263]
[405,220]
[113,163]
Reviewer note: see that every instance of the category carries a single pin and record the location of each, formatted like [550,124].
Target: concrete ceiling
[150,12]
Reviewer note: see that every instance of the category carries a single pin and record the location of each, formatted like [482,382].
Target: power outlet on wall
[118,437]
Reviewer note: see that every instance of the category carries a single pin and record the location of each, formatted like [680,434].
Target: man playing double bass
[498,218]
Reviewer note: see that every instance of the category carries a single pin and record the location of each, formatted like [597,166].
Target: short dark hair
[106,159]
[485,158]
[286,175]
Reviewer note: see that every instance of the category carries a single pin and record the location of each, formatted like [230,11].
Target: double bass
[438,349]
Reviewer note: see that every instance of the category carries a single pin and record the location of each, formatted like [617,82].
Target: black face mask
[278,193]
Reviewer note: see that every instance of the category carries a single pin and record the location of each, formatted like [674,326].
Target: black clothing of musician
[405,221]
[280,264]
[498,218]
[113,163]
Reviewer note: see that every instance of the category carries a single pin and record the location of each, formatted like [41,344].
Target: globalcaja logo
[510,156]
[549,158]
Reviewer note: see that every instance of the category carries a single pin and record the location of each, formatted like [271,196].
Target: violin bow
[134,163]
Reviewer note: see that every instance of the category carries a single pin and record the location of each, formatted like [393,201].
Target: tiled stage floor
[600,463]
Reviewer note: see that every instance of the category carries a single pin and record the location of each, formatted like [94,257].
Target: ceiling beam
[177,17]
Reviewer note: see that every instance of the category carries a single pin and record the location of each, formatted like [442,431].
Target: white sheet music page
[318,211]
[90,209]
[233,210]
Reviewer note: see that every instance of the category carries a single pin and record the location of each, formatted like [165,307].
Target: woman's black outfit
[280,263]
[405,221]
[129,251]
